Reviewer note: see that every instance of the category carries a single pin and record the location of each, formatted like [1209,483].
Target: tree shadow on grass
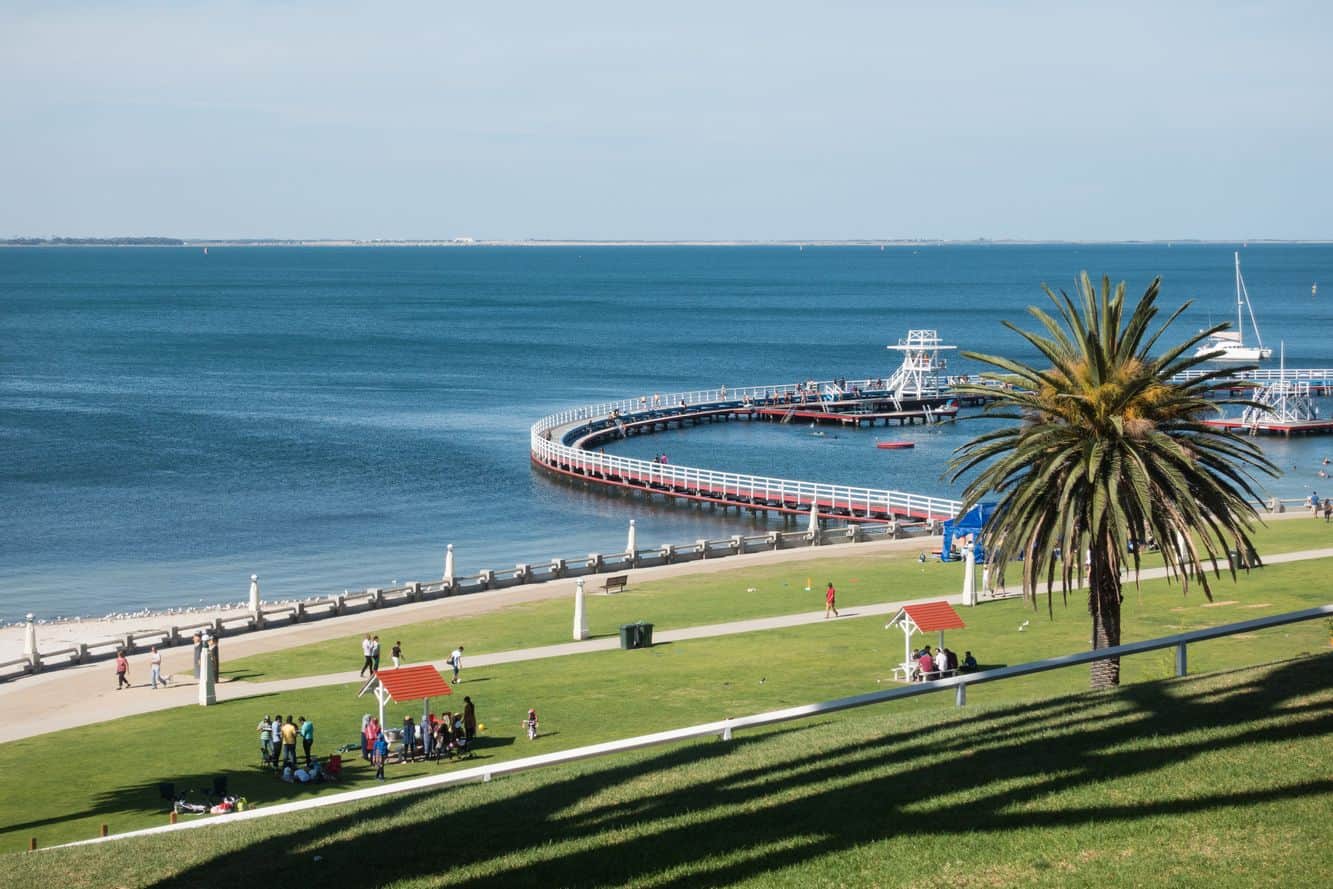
[1010,764]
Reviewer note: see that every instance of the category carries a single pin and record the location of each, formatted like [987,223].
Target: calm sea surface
[171,422]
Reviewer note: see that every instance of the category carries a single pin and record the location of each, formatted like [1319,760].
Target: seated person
[942,662]
[925,664]
[969,663]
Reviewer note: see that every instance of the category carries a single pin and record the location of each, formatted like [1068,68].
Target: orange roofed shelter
[927,617]
[407,684]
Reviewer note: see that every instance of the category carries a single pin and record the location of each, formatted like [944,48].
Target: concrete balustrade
[285,614]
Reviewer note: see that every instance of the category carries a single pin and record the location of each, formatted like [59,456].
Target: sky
[667,121]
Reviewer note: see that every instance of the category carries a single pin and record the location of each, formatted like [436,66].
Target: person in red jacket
[122,667]
[830,595]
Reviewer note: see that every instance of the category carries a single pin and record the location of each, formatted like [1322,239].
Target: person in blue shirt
[379,753]
[307,730]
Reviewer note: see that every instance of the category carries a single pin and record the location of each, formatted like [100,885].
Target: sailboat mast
[1245,294]
[1240,320]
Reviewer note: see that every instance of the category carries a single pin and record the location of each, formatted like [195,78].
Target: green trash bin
[629,636]
[645,635]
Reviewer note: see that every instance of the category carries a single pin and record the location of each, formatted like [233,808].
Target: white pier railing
[554,437]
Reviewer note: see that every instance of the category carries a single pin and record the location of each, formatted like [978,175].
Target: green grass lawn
[1218,781]
[691,600]
[108,773]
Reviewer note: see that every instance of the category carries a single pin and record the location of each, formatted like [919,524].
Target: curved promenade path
[82,695]
[563,443]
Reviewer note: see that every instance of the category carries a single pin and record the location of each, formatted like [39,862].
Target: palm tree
[1109,451]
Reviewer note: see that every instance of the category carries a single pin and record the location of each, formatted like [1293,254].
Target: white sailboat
[1229,345]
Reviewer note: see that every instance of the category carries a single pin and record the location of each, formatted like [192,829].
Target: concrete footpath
[80,696]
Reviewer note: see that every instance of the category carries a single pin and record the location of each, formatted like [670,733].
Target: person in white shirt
[456,661]
[368,650]
[156,662]
[941,662]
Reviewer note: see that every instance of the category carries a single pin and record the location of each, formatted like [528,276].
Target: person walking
[375,653]
[122,668]
[155,663]
[289,734]
[198,652]
[214,658]
[396,653]
[456,661]
[367,653]
[469,719]
[830,597]
[307,730]
[365,736]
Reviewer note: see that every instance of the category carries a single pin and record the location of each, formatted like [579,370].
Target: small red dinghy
[894,445]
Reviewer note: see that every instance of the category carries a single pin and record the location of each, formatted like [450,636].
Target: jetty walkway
[566,443]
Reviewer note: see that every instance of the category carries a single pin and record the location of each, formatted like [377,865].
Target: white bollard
[449,564]
[254,602]
[207,692]
[969,575]
[30,645]
[580,614]
[632,545]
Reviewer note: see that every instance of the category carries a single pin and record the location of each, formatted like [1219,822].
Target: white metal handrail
[725,728]
[800,494]
[1312,374]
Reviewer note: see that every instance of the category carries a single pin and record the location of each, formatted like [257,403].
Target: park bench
[615,584]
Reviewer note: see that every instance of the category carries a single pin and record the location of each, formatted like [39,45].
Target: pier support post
[557,568]
[375,596]
[702,547]
[82,656]
[775,540]
[298,613]
[737,544]
[487,579]
[416,594]
[668,553]
[127,643]
[854,533]
[339,605]
[595,562]
[523,573]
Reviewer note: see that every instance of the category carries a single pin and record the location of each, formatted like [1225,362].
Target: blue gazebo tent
[971,522]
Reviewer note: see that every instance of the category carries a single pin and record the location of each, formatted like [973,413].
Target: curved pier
[561,442]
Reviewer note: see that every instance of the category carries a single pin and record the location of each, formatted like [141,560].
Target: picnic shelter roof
[929,617]
[414,683]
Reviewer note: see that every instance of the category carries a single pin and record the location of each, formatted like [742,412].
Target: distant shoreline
[179,243]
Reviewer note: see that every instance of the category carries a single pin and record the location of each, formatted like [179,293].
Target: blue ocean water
[330,418]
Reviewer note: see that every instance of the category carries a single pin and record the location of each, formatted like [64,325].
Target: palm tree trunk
[1104,604]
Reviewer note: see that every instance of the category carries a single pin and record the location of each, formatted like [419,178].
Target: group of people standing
[450,735]
[278,738]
